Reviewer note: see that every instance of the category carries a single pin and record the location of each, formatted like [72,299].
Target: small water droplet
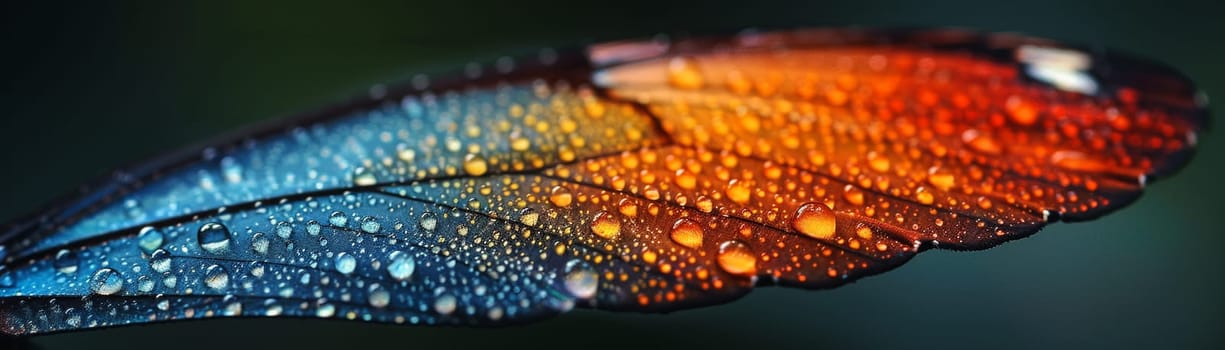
[737,258]
[144,284]
[216,277]
[214,237]
[325,311]
[560,197]
[150,239]
[338,219]
[815,220]
[687,233]
[260,243]
[400,265]
[66,261]
[738,191]
[529,217]
[106,281]
[370,224]
[345,263]
[581,280]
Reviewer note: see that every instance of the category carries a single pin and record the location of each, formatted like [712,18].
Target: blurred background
[88,86]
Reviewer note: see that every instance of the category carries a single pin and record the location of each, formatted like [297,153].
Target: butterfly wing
[647,176]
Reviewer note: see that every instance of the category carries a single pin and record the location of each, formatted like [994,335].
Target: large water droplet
[560,197]
[214,237]
[345,263]
[260,243]
[687,233]
[338,219]
[325,311]
[529,217]
[815,220]
[445,304]
[683,73]
[370,224]
[428,222]
[66,261]
[737,258]
[475,165]
[160,260]
[106,281]
[216,277]
[606,226]
[313,228]
[364,177]
[379,297]
[284,229]
[581,280]
[400,265]
[149,239]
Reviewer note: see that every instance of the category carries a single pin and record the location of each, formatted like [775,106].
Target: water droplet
[364,177]
[581,280]
[325,311]
[400,265]
[345,263]
[106,281]
[445,304]
[683,73]
[370,224]
[338,219]
[216,277]
[429,221]
[214,237]
[260,243]
[150,239]
[313,228]
[284,229]
[66,261]
[529,217]
[815,220]
[379,297]
[144,284]
[924,197]
[941,179]
[160,260]
[737,258]
[475,165]
[606,226]
[687,233]
[560,197]
[738,191]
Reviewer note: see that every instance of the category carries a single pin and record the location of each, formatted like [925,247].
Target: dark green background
[89,86]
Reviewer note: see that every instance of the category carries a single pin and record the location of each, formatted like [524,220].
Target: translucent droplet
[738,191]
[150,239]
[737,258]
[106,281]
[216,277]
[313,228]
[475,165]
[338,219]
[560,197]
[364,177]
[370,224]
[66,261]
[284,229]
[529,217]
[144,284]
[445,304]
[687,233]
[815,220]
[606,226]
[379,297]
[214,237]
[325,311]
[400,265]
[581,280]
[683,73]
[345,263]
[260,243]
[428,222]
[160,261]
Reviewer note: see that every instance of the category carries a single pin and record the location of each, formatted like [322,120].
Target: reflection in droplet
[149,239]
[214,237]
[106,281]
[345,263]
[400,265]
[737,258]
[216,277]
[581,280]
